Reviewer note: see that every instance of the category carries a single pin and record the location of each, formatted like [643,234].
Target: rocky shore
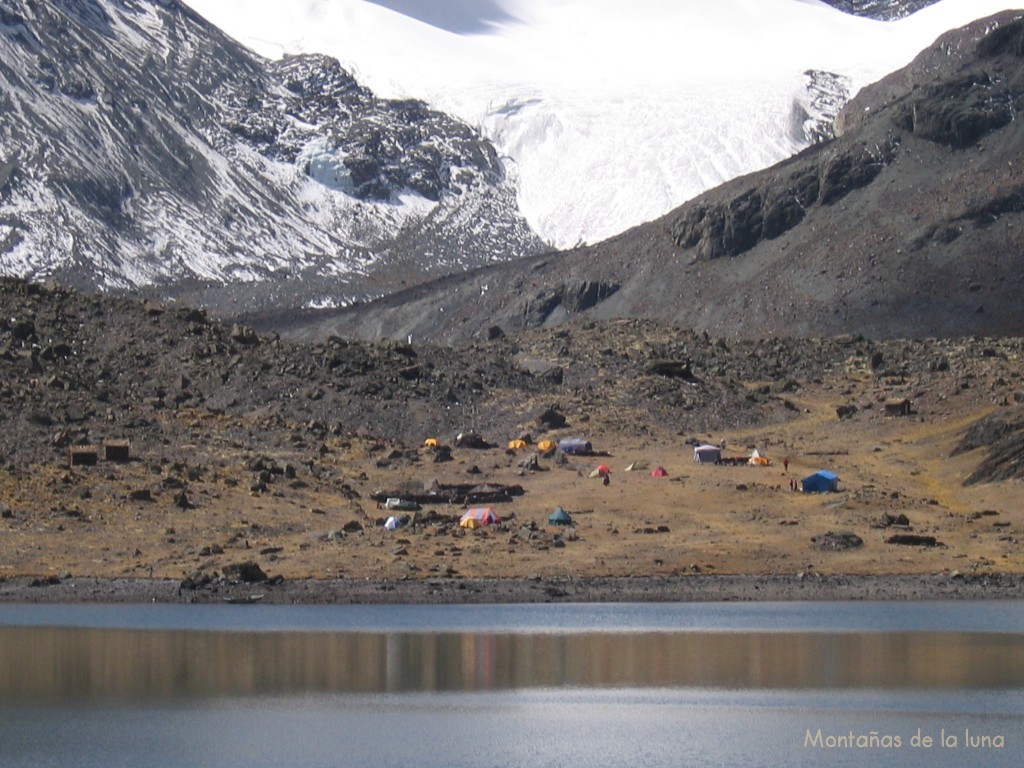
[695,588]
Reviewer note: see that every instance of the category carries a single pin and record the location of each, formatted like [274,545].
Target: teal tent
[559,517]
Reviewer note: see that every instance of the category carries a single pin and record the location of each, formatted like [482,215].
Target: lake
[745,684]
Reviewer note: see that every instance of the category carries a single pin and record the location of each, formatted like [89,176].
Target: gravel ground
[696,588]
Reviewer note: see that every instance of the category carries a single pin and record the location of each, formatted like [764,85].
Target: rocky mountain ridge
[83,368]
[883,10]
[906,225]
[145,151]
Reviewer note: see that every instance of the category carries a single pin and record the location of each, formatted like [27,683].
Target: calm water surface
[763,684]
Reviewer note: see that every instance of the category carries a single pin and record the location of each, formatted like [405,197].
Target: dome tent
[478,517]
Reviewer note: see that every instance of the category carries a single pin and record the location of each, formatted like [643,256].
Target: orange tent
[757,460]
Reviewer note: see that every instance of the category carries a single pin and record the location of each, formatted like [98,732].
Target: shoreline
[691,588]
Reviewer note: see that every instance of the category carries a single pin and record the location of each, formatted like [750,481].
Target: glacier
[607,114]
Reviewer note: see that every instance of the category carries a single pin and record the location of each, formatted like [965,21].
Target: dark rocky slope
[907,225]
[78,368]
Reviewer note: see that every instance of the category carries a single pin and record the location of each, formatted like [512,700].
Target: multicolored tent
[601,470]
[478,517]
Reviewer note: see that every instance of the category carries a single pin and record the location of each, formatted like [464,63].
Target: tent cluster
[479,517]
[571,446]
[712,454]
[604,471]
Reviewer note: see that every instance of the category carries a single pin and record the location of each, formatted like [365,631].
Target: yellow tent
[430,442]
[515,445]
[546,446]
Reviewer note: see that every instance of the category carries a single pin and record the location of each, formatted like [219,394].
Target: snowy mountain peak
[611,113]
[141,147]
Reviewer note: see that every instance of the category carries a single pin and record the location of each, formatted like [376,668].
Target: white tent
[707,454]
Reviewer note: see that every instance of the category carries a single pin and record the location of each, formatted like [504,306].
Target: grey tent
[707,454]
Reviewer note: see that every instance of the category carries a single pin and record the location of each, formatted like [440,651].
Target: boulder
[248,572]
[913,540]
[837,541]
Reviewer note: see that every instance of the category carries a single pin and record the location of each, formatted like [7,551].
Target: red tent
[659,472]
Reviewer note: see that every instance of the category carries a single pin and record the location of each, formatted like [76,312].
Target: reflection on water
[519,687]
[45,663]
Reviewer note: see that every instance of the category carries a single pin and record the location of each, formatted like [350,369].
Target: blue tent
[821,481]
[559,517]
[575,446]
